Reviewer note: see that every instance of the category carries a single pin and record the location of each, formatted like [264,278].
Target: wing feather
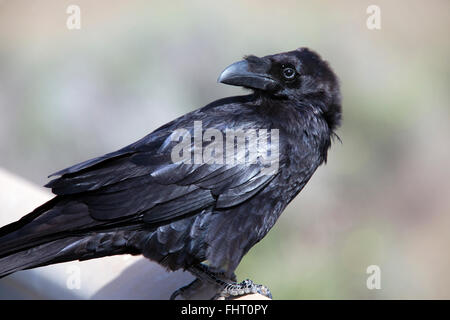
[141,180]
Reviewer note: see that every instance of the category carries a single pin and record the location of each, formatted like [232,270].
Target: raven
[193,212]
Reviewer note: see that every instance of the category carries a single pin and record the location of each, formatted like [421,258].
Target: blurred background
[383,198]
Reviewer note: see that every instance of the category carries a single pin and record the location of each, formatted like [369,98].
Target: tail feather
[52,221]
[38,256]
[90,246]
[62,230]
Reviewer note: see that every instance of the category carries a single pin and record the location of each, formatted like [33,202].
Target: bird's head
[300,75]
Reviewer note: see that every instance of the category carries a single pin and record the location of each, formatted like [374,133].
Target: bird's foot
[227,287]
[187,291]
[233,290]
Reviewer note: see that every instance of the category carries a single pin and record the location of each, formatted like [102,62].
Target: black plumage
[137,200]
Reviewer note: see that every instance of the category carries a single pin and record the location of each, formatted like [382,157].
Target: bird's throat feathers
[310,118]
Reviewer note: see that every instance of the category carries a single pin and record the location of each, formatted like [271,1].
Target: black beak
[238,74]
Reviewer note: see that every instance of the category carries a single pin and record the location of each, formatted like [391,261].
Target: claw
[176,293]
[186,290]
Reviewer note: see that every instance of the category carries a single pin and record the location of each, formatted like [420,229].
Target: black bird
[159,197]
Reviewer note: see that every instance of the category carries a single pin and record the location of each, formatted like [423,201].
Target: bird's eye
[288,73]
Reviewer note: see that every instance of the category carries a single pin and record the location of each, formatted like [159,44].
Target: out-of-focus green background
[384,196]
